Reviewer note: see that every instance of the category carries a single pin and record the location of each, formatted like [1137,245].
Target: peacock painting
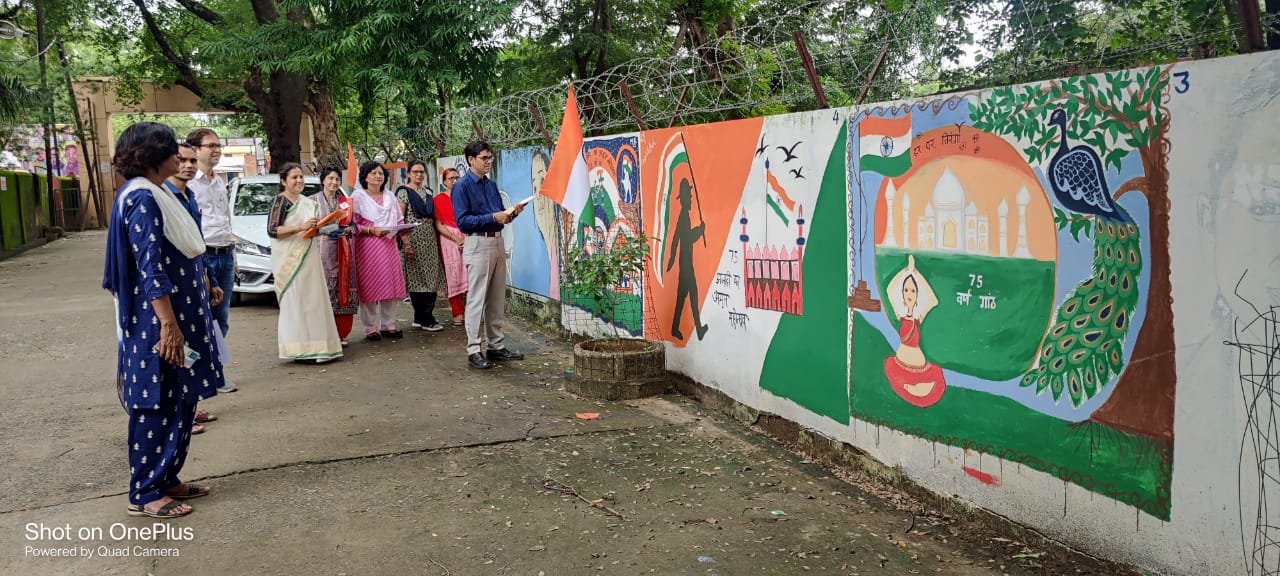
[1083,348]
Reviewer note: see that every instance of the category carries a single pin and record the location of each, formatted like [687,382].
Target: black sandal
[166,511]
[373,336]
[393,334]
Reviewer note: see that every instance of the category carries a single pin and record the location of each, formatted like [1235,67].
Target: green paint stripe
[680,158]
[889,166]
[777,210]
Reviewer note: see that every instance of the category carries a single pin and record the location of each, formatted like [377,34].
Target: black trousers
[423,305]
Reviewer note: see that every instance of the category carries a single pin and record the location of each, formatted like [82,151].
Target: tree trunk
[324,123]
[281,111]
[1143,401]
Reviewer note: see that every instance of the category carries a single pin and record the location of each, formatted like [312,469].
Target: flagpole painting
[884,146]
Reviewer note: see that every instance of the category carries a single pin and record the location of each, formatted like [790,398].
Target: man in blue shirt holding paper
[478,210]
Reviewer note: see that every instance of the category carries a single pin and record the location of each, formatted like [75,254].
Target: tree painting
[1114,114]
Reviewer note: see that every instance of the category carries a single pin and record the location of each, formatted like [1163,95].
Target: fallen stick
[557,486]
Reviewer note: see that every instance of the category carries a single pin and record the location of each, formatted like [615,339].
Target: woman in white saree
[306,329]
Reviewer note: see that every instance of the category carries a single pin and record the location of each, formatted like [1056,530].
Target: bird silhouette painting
[1083,348]
[796,172]
[762,147]
[788,152]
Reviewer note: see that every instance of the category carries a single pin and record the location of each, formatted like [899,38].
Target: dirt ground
[401,460]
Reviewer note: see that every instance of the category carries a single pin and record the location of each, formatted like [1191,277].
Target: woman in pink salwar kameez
[451,247]
[378,273]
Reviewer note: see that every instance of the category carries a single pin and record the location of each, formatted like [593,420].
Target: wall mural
[1004,277]
[532,266]
[693,178]
[985,271]
[611,213]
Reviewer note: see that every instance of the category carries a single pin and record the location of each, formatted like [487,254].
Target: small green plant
[599,272]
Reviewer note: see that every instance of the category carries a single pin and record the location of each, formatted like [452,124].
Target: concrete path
[401,460]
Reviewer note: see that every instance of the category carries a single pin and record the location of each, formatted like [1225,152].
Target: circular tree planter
[618,369]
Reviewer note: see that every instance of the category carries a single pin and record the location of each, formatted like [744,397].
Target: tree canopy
[416,78]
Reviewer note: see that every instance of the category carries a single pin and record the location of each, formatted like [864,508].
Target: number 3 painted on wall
[1185,77]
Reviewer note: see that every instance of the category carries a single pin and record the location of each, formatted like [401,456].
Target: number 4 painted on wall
[1185,84]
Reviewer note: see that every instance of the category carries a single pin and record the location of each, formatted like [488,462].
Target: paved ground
[400,460]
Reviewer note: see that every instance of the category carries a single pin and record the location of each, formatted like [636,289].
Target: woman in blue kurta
[155,272]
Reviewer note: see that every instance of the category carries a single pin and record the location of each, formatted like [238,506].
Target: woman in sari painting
[336,251]
[913,377]
[451,247]
[306,330]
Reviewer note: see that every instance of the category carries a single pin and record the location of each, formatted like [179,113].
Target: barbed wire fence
[822,54]
[793,61]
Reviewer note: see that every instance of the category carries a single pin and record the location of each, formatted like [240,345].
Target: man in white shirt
[211,193]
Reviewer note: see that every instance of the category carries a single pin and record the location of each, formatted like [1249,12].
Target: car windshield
[255,197]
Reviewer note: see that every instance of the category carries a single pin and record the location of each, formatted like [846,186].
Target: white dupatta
[179,228]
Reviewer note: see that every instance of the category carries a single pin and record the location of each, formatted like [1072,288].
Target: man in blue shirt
[478,210]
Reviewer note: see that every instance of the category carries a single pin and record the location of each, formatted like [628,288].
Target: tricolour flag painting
[675,168]
[776,198]
[884,145]
[566,181]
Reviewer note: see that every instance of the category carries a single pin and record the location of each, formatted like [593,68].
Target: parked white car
[251,198]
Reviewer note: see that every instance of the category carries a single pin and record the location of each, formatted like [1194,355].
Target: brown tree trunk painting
[1143,400]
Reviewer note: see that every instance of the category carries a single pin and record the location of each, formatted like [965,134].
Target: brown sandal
[193,490]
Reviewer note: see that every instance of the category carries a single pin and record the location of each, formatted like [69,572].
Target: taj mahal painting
[951,222]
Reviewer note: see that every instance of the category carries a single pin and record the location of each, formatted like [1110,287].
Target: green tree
[424,56]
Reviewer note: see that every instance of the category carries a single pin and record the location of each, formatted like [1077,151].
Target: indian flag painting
[675,169]
[884,145]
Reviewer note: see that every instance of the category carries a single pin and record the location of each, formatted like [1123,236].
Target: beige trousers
[486,261]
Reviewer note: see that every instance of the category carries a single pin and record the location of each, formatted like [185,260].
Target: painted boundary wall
[1019,296]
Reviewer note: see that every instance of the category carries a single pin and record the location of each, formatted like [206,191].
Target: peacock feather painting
[1021,265]
[1083,349]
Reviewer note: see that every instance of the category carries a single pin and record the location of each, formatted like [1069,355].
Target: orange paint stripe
[777,187]
[887,126]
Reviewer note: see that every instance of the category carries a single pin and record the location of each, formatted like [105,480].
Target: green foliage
[1115,113]
[15,98]
[1076,222]
[596,271]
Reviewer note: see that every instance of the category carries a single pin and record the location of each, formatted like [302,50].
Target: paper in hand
[398,228]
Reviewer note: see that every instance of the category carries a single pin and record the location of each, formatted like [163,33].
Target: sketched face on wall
[1248,209]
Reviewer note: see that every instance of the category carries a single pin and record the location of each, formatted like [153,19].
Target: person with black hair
[336,251]
[478,210]
[377,257]
[305,331]
[170,351]
[420,251]
[210,190]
